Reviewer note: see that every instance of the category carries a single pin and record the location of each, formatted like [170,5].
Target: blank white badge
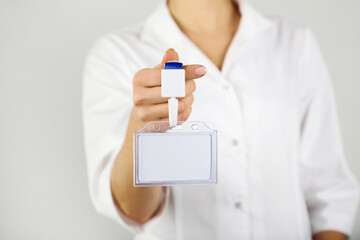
[185,154]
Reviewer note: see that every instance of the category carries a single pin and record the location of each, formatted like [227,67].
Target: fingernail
[199,71]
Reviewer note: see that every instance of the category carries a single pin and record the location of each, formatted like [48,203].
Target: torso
[254,106]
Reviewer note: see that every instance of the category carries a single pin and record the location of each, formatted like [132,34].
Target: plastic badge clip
[173,86]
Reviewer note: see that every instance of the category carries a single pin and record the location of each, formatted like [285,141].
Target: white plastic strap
[173,111]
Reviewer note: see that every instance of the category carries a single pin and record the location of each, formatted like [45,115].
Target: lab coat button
[226,87]
[237,205]
[234,142]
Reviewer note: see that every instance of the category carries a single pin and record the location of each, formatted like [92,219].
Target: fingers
[170,55]
[148,113]
[191,71]
[181,117]
[151,77]
[147,96]
[190,87]
[148,77]
[185,115]
[160,111]
[194,71]
[149,105]
[185,103]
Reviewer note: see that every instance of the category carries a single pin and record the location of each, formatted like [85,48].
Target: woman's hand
[148,103]
[141,203]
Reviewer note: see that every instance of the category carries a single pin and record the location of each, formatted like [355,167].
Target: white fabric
[282,172]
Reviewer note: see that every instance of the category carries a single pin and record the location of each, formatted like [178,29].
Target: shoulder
[290,32]
[302,50]
[295,41]
[117,41]
[118,50]
[298,37]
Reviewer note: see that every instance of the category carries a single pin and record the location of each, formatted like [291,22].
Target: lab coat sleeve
[331,191]
[107,103]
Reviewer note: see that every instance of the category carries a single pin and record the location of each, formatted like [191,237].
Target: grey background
[43,185]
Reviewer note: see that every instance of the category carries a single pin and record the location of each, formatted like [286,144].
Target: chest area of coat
[260,94]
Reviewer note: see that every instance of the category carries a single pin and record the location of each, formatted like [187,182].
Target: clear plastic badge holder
[185,154]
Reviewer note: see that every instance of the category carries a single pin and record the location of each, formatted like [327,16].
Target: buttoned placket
[237,144]
[239,191]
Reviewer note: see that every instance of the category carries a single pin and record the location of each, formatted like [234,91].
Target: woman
[262,83]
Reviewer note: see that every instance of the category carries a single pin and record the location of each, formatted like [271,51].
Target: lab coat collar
[161,31]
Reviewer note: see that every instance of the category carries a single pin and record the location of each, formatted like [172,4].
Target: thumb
[170,55]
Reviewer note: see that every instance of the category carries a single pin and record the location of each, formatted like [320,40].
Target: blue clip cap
[173,65]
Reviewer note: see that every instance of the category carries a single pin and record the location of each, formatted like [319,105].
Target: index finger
[151,77]
[194,71]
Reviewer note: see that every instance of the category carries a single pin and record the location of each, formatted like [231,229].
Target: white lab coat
[281,168]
